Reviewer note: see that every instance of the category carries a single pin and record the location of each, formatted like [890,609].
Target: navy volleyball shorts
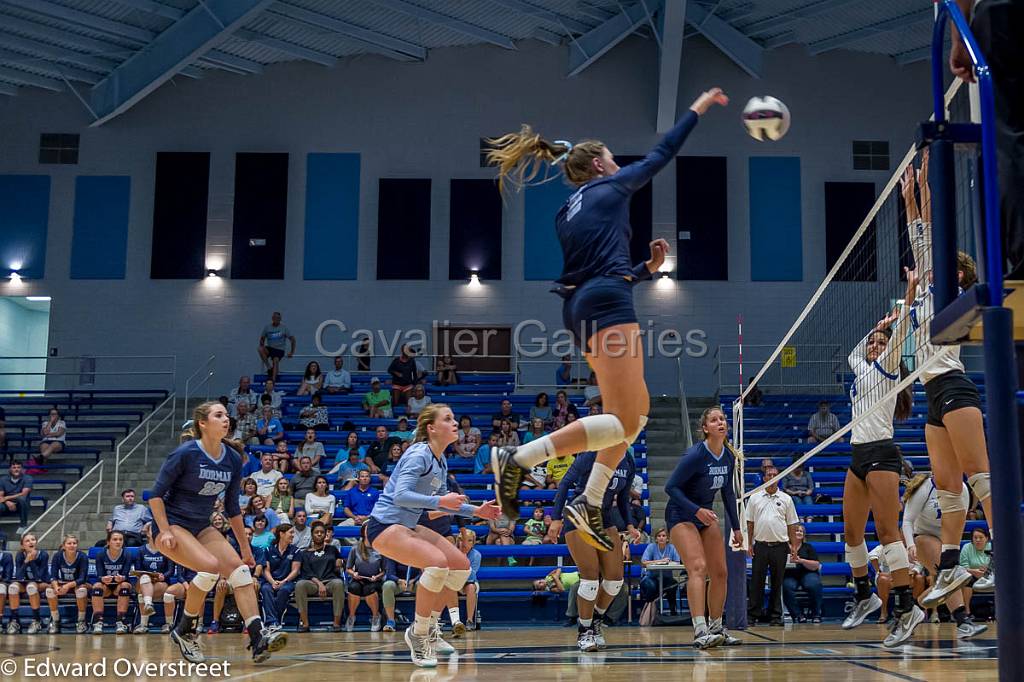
[598,304]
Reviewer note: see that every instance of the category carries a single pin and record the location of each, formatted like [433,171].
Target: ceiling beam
[546,36]
[395,48]
[240,63]
[195,34]
[786,19]
[589,47]
[463,27]
[743,51]
[895,23]
[7,89]
[110,26]
[784,38]
[49,68]
[567,23]
[673,21]
[593,12]
[23,78]
[287,47]
[911,56]
[10,40]
[156,8]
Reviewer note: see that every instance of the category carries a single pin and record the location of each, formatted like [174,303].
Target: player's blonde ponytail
[428,416]
[520,157]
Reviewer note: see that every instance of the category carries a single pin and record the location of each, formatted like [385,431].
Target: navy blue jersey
[63,572]
[190,482]
[149,559]
[108,565]
[696,479]
[576,479]
[280,563]
[593,226]
[37,570]
[6,567]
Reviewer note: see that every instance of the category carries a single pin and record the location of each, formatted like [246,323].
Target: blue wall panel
[776,239]
[24,216]
[542,255]
[100,241]
[332,216]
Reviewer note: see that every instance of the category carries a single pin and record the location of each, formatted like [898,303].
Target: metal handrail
[684,408]
[209,374]
[63,501]
[150,430]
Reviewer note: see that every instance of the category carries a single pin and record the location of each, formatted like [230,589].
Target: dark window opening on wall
[870,155]
[58,148]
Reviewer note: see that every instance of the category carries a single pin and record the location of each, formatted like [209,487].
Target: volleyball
[766,118]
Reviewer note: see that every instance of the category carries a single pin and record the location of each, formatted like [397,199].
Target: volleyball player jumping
[597,285]
[189,482]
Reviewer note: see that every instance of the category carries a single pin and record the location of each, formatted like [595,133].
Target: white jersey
[923,310]
[921,514]
[871,382]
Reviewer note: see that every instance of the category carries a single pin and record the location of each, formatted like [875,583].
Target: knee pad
[603,431]
[980,485]
[240,577]
[588,589]
[31,589]
[612,587]
[630,438]
[433,578]
[81,592]
[895,554]
[51,593]
[949,503]
[857,556]
[168,598]
[124,590]
[204,582]
[457,578]
[97,591]
[13,588]
[144,579]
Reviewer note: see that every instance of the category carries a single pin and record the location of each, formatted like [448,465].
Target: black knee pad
[97,592]
[124,591]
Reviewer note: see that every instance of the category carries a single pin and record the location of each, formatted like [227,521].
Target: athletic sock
[597,484]
[950,557]
[187,624]
[863,585]
[903,599]
[534,453]
[81,616]
[96,618]
[35,614]
[599,611]
[421,626]
[960,615]
[715,624]
[453,613]
[148,601]
[585,623]
[700,625]
[254,626]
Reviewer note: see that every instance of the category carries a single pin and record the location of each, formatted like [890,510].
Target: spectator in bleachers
[15,489]
[269,428]
[466,542]
[404,375]
[536,430]
[320,575]
[54,434]
[112,568]
[417,402]
[766,464]
[312,379]
[755,398]
[507,435]
[315,415]
[660,552]
[467,446]
[280,569]
[402,431]
[375,455]
[352,441]
[359,501]
[541,409]
[555,469]
[281,501]
[822,423]
[800,486]
[69,571]
[304,480]
[536,529]
[270,396]
[257,508]
[157,579]
[331,540]
[267,476]
[505,414]
[347,471]
[303,533]
[501,531]
[883,579]
[261,535]
[312,448]
[248,489]
[338,380]
[377,401]
[31,574]
[563,375]
[365,570]
[245,425]
[446,371]
[128,518]
[394,455]
[363,353]
[561,411]
[806,574]
[771,526]
[273,340]
[242,393]
[398,579]
[320,503]
[466,429]
[636,504]
[592,392]
[558,581]
[282,458]
[976,557]
[482,460]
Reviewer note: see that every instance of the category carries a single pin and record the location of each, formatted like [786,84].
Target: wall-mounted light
[474,278]
[212,273]
[15,277]
[38,299]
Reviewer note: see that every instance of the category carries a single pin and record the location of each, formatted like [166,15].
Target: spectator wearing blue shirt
[563,375]
[482,461]
[268,427]
[466,543]
[359,501]
[348,471]
[258,507]
[129,518]
[661,551]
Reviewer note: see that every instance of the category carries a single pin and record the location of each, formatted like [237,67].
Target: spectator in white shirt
[54,434]
[822,424]
[417,402]
[242,392]
[771,524]
[321,503]
[267,476]
[338,380]
[303,537]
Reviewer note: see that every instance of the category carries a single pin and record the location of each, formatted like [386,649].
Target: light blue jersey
[417,484]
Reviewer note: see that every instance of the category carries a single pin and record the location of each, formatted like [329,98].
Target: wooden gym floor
[805,653]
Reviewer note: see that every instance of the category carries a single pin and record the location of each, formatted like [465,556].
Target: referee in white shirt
[771,524]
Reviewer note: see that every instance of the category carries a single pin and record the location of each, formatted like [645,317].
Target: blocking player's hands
[452,501]
[659,249]
[708,99]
